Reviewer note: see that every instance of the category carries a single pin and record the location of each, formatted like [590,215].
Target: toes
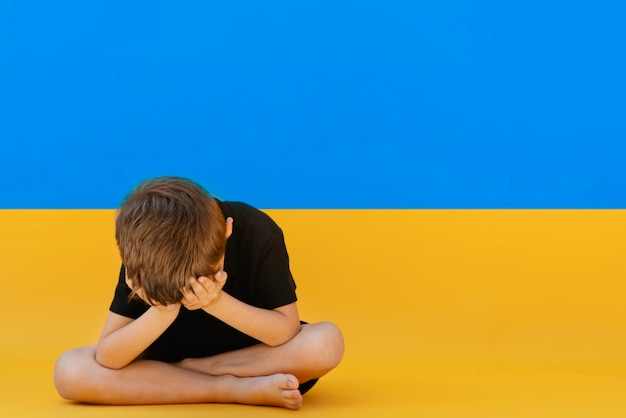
[291,394]
[292,399]
[291,382]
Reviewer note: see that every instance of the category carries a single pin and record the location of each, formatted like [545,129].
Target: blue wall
[315,104]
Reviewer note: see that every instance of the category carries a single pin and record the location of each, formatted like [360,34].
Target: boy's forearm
[268,326]
[124,345]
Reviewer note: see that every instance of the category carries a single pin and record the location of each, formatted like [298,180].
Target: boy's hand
[204,291]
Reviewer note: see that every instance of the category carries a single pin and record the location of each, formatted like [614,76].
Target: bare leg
[79,377]
[316,350]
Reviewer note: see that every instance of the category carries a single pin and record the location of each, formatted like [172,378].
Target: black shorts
[306,386]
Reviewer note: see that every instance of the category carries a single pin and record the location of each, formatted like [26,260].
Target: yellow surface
[445,313]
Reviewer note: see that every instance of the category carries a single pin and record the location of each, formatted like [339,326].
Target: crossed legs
[257,375]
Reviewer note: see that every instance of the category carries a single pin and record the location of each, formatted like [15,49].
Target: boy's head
[169,229]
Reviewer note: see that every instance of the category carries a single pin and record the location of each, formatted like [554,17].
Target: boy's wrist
[214,302]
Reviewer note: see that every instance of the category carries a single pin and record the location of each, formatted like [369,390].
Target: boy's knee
[328,344]
[70,373]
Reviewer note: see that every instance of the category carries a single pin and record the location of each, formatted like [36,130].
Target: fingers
[220,278]
[195,290]
[199,285]
[190,300]
[199,293]
[203,291]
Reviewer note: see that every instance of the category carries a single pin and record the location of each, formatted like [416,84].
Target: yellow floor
[445,313]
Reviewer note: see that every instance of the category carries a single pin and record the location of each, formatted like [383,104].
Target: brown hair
[169,229]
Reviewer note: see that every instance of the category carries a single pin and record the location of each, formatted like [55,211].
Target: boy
[204,310]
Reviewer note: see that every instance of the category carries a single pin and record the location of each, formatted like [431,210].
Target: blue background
[315,104]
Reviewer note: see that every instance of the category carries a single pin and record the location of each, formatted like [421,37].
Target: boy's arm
[271,327]
[124,339]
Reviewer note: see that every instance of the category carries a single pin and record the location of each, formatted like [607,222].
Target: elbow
[284,337]
[275,342]
[105,361]
[108,364]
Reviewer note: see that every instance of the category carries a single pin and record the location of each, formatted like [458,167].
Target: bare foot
[275,390]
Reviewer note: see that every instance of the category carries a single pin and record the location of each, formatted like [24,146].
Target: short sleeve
[121,305]
[275,286]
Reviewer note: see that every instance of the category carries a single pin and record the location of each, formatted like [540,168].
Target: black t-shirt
[258,274]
